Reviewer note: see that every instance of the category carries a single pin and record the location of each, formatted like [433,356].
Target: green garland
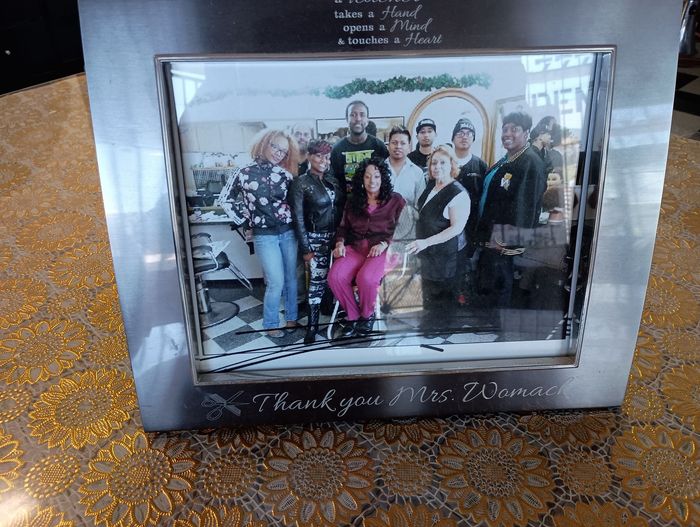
[406,84]
[393,84]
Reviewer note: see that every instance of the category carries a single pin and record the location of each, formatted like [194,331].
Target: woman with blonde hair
[263,185]
[443,209]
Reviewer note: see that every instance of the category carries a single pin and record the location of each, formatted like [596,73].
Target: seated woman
[317,201]
[264,184]
[443,212]
[362,240]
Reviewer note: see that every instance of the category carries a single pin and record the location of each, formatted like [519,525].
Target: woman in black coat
[509,208]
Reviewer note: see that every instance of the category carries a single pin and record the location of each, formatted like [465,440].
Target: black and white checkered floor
[241,342]
[686,106]
[245,330]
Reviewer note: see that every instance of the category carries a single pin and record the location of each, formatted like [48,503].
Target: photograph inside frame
[374,214]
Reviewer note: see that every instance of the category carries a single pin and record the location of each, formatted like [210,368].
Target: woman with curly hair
[361,243]
[264,185]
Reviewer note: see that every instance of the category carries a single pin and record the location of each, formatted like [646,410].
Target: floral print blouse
[258,192]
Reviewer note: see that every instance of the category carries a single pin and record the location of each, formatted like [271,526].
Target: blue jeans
[278,256]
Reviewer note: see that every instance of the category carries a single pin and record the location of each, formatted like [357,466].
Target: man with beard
[425,136]
[357,146]
[303,133]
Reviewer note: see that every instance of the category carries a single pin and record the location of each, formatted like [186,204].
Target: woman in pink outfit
[361,243]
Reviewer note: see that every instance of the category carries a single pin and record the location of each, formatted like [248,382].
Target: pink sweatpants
[367,273]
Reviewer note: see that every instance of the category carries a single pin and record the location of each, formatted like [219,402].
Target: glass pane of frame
[471,263]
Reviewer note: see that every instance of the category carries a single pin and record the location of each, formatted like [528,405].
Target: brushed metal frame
[135,169]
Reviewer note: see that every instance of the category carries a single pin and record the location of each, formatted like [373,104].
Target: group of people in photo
[353,209]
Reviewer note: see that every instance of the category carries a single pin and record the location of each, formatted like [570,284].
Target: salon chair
[205,261]
[211,191]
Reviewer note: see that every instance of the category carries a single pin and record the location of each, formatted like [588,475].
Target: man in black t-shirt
[358,145]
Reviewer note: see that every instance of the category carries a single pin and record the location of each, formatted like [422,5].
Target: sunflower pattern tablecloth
[72,451]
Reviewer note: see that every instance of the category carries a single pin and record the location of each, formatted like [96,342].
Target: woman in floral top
[263,185]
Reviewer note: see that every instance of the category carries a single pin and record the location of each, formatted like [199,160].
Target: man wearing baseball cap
[471,173]
[463,136]
[471,168]
[425,135]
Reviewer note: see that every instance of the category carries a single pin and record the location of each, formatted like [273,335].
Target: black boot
[312,327]
[365,325]
[350,329]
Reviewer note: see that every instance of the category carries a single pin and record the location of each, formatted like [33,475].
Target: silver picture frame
[139,161]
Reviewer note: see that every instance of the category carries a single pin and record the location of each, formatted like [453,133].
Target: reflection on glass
[495,233]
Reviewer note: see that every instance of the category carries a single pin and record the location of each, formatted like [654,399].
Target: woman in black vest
[443,212]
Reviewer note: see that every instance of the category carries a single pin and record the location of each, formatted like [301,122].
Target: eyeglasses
[463,133]
[279,150]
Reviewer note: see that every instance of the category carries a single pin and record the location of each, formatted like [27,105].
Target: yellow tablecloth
[72,451]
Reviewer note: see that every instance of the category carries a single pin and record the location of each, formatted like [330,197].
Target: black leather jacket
[312,210]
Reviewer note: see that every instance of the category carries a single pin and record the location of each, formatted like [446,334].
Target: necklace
[517,154]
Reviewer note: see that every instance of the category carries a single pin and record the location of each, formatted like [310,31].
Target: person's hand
[248,233]
[339,250]
[308,256]
[416,246]
[378,249]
